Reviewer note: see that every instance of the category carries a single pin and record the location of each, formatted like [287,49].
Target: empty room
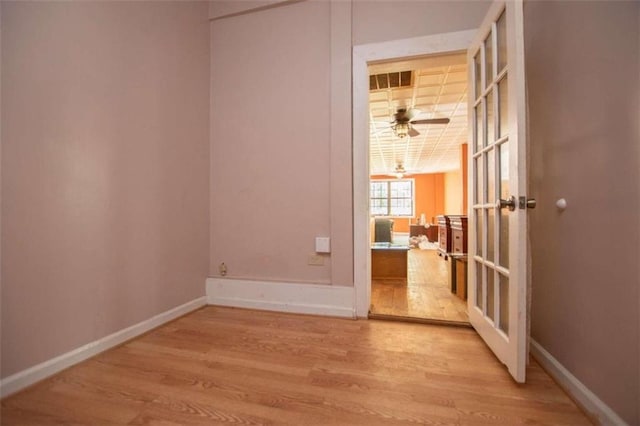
[187,205]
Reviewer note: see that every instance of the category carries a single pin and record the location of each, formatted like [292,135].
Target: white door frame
[362,56]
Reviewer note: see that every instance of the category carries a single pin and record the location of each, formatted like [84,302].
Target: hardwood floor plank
[223,365]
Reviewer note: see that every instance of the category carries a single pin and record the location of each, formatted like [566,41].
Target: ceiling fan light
[401,130]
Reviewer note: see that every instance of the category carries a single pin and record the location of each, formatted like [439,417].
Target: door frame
[363,55]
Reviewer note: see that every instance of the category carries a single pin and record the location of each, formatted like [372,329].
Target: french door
[497,302]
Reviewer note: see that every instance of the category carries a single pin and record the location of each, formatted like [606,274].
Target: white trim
[574,387]
[24,378]
[362,55]
[298,298]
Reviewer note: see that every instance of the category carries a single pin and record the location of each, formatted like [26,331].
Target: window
[391,197]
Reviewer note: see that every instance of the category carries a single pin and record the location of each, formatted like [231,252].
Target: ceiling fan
[399,171]
[403,122]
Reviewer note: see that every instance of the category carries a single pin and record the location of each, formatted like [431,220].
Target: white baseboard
[282,297]
[574,387]
[22,379]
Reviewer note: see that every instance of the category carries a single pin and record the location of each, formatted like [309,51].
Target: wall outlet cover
[315,260]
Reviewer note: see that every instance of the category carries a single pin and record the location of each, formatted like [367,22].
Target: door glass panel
[502,42]
[478,183]
[479,236]
[504,304]
[488,57]
[490,122]
[479,128]
[490,294]
[491,182]
[503,107]
[490,234]
[503,171]
[503,182]
[503,259]
[478,75]
[479,292]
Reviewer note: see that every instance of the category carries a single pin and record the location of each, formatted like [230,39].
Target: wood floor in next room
[234,366]
[425,293]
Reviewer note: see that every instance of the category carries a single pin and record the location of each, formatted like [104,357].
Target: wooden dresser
[444,233]
[458,234]
[452,234]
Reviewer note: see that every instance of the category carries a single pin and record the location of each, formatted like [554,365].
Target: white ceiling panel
[437,91]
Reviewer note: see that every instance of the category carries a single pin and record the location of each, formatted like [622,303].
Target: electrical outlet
[315,260]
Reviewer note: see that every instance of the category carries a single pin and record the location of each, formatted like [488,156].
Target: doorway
[417,153]
[419,53]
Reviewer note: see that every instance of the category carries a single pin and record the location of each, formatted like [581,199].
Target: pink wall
[270,120]
[279,174]
[104,169]
[378,21]
[583,70]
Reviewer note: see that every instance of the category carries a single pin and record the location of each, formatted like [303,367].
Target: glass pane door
[496,272]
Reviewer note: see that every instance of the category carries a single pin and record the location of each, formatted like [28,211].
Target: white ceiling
[439,90]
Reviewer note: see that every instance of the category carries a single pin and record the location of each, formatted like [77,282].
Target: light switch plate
[323,245]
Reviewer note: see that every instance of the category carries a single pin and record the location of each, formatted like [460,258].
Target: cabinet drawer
[443,240]
[459,241]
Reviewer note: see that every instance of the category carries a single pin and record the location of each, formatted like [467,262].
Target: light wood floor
[424,294]
[233,366]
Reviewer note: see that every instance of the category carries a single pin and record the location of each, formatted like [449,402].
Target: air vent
[390,80]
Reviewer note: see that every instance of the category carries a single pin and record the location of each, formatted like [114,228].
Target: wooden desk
[388,260]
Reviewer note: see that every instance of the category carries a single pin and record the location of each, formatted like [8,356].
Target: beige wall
[582,64]
[104,169]
[453,193]
[279,174]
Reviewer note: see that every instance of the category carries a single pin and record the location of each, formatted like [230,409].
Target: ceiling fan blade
[413,132]
[431,121]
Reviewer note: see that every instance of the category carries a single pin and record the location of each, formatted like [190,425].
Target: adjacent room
[418,163]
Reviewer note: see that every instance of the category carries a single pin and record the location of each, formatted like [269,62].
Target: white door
[497,301]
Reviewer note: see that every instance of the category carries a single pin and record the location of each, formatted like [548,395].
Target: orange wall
[429,199]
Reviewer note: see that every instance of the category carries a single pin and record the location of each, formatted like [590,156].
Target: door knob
[509,203]
[526,203]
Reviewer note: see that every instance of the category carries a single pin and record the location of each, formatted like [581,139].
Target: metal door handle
[510,203]
[526,203]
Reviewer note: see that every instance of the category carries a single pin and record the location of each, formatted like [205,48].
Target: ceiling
[438,89]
